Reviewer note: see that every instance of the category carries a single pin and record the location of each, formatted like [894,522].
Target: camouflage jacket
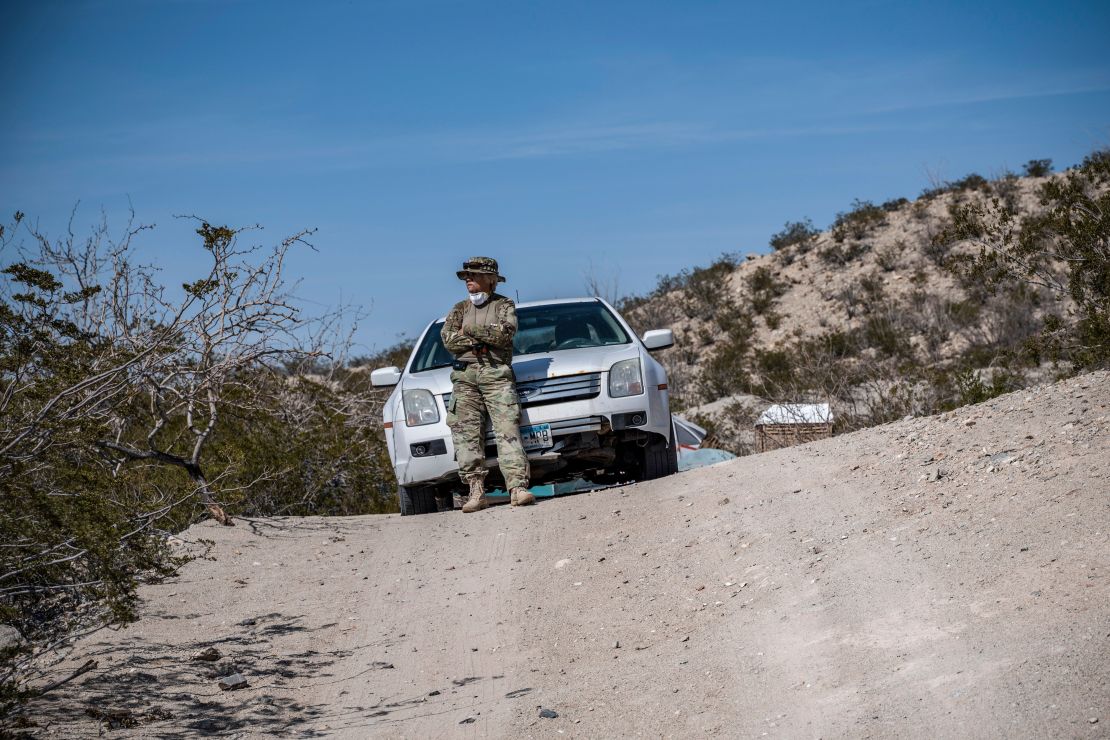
[473,330]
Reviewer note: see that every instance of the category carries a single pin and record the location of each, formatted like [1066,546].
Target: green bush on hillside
[706,289]
[763,289]
[798,234]
[843,253]
[1037,167]
[971,183]
[974,181]
[724,372]
[1064,249]
[858,222]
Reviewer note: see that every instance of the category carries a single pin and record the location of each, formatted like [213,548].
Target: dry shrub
[858,222]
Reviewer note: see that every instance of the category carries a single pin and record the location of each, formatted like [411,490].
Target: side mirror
[385,376]
[658,339]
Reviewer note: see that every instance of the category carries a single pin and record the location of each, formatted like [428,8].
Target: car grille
[564,426]
[554,390]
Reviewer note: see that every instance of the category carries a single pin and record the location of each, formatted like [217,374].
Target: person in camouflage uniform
[479,333]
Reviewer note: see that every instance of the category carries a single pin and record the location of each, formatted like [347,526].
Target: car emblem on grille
[525,393]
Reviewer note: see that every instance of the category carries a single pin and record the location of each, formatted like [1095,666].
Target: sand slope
[939,577]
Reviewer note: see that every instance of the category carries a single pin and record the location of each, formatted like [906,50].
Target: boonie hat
[484,265]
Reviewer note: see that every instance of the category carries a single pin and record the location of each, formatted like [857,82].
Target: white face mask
[478,298]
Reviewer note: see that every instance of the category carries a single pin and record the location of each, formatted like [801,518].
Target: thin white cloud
[572,141]
[982,96]
[249,148]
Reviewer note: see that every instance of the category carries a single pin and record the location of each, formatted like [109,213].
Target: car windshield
[549,328]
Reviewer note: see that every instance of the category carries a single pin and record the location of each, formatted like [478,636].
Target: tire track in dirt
[451,611]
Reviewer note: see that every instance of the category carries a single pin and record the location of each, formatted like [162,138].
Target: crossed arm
[498,335]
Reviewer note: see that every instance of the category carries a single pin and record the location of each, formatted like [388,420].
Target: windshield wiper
[434,367]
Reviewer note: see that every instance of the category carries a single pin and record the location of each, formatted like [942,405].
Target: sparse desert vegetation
[133,409]
[976,288]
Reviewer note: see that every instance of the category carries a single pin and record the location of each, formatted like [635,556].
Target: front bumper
[568,418]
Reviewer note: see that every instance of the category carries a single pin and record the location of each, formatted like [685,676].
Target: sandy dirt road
[941,577]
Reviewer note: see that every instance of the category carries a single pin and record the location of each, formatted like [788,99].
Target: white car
[594,404]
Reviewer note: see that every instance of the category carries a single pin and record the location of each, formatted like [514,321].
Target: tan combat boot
[521,497]
[477,500]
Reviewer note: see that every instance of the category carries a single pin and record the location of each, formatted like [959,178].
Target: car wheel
[417,500]
[672,454]
[658,459]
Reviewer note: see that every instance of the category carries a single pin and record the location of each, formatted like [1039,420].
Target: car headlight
[625,379]
[420,407]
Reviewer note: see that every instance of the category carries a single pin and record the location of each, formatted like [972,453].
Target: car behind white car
[594,404]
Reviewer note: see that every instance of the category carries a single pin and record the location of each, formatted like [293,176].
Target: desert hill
[875,314]
[943,576]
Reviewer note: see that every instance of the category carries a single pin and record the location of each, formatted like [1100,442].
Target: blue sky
[626,138]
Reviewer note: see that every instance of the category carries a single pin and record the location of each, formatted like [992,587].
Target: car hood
[537,366]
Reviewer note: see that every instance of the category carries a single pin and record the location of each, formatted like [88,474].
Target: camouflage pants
[492,389]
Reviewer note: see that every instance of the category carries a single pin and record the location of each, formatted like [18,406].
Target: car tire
[417,500]
[658,459]
[672,454]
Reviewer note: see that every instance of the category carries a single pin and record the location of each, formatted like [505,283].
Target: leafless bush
[657,312]
[1008,187]
[731,429]
[887,257]
[606,287]
[862,389]
[113,390]
[195,356]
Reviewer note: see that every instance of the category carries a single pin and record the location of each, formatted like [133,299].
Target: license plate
[536,437]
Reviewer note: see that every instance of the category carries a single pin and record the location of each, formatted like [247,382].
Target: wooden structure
[788,424]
